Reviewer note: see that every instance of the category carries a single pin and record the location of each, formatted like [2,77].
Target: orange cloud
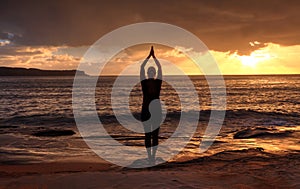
[270,58]
[42,57]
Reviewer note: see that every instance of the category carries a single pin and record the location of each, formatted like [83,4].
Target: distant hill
[8,71]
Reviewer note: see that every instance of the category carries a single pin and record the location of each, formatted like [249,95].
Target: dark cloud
[223,25]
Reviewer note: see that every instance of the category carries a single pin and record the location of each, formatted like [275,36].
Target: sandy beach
[252,168]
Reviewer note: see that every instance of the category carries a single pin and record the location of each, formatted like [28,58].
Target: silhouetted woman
[151,109]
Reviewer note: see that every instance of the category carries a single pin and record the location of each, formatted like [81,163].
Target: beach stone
[260,133]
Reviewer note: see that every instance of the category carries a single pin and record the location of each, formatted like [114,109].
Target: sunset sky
[245,37]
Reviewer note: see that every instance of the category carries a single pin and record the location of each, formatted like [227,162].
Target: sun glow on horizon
[269,59]
[254,58]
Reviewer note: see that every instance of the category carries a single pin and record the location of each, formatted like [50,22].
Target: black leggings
[151,128]
[151,136]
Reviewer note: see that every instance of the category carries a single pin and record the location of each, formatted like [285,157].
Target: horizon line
[115,75]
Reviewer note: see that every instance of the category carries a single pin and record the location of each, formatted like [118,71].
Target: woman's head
[151,72]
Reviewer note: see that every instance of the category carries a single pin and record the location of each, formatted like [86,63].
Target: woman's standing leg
[154,142]
[147,129]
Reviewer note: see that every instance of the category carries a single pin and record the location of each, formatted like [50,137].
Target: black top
[151,90]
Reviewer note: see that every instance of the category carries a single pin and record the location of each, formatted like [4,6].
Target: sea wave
[234,156]
[54,120]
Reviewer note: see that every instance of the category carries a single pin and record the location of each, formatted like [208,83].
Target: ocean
[37,122]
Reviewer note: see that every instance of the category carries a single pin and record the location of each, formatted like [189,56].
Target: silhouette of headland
[10,71]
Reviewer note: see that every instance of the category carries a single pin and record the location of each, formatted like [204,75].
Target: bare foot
[152,161]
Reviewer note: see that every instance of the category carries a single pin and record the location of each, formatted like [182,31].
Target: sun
[248,60]
[254,58]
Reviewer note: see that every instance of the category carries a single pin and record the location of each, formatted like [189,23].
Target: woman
[151,109]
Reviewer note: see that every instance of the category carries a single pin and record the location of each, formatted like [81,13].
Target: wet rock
[54,133]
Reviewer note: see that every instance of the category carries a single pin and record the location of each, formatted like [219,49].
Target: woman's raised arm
[142,71]
[159,71]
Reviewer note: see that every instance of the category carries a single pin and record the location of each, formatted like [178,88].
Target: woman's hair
[151,72]
[151,69]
